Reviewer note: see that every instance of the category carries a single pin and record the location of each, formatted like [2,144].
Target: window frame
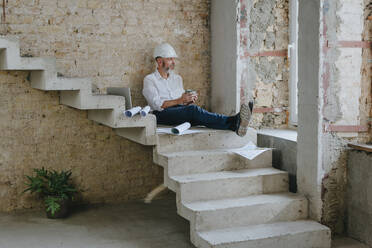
[293,62]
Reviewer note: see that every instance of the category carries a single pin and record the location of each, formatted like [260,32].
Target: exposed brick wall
[37,131]
[112,42]
[263,43]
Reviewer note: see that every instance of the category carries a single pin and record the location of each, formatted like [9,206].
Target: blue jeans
[196,116]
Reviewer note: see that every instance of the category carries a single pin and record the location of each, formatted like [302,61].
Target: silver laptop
[121,91]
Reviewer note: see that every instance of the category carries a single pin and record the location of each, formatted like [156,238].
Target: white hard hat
[165,51]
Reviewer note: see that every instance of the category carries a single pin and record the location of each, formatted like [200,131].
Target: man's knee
[194,113]
[193,108]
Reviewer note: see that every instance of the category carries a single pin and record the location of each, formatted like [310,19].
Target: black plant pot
[62,212]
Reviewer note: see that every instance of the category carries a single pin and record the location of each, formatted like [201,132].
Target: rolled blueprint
[181,128]
[132,112]
[145,111]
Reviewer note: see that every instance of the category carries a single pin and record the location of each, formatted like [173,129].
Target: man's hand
[194,98]
[187,98]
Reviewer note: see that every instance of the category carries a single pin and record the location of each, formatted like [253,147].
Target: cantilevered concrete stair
[225,186]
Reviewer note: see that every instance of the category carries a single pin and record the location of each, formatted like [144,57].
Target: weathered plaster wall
[344,23]
[366,95]
[330,102]
[344,104]
[112,42]
[263,60]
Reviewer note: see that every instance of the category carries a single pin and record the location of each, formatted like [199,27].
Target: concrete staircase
[225,185]
[232,195]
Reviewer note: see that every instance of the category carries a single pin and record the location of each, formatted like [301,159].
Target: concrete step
[39,81]
[204,139]
[9,51]
[44,73]
[31,64]
[138,129]
[43,70]
[296,234]
[250,210]
[12,62]
[84,99]
[10,58]
[228,184]
[63,83]
[203,161]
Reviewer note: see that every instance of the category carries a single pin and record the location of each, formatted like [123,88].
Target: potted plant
[55,188]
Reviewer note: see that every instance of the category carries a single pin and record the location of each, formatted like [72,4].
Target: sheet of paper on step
[249,151]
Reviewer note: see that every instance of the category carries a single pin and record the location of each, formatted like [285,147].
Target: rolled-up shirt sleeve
[150,92]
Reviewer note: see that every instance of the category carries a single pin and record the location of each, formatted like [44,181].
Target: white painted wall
[349,63]
[224,42]
[350,14]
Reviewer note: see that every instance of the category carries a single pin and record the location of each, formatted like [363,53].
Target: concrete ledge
[286,134]
[361,147]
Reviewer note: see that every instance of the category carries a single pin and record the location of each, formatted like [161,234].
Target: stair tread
[202,139]
[93,101]
[196,152]
[253,151]
[109,101]
[73,83]
[209,205]
[195,129]
[226,175]
[262,231]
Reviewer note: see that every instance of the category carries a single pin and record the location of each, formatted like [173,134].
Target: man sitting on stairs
[163,90]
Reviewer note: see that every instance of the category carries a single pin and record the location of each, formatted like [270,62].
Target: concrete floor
[343,242]
[131,225]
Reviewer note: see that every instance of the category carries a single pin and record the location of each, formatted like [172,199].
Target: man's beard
[166,68]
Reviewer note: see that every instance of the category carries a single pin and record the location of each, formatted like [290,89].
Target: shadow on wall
[359,196]
[284,154]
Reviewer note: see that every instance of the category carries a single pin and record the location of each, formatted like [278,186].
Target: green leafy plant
[53,186]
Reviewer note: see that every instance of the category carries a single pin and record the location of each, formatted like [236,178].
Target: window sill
[361,147]
[286,134]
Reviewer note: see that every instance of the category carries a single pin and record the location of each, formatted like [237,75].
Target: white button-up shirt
[157,89]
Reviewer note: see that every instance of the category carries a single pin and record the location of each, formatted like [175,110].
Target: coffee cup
[192,92]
